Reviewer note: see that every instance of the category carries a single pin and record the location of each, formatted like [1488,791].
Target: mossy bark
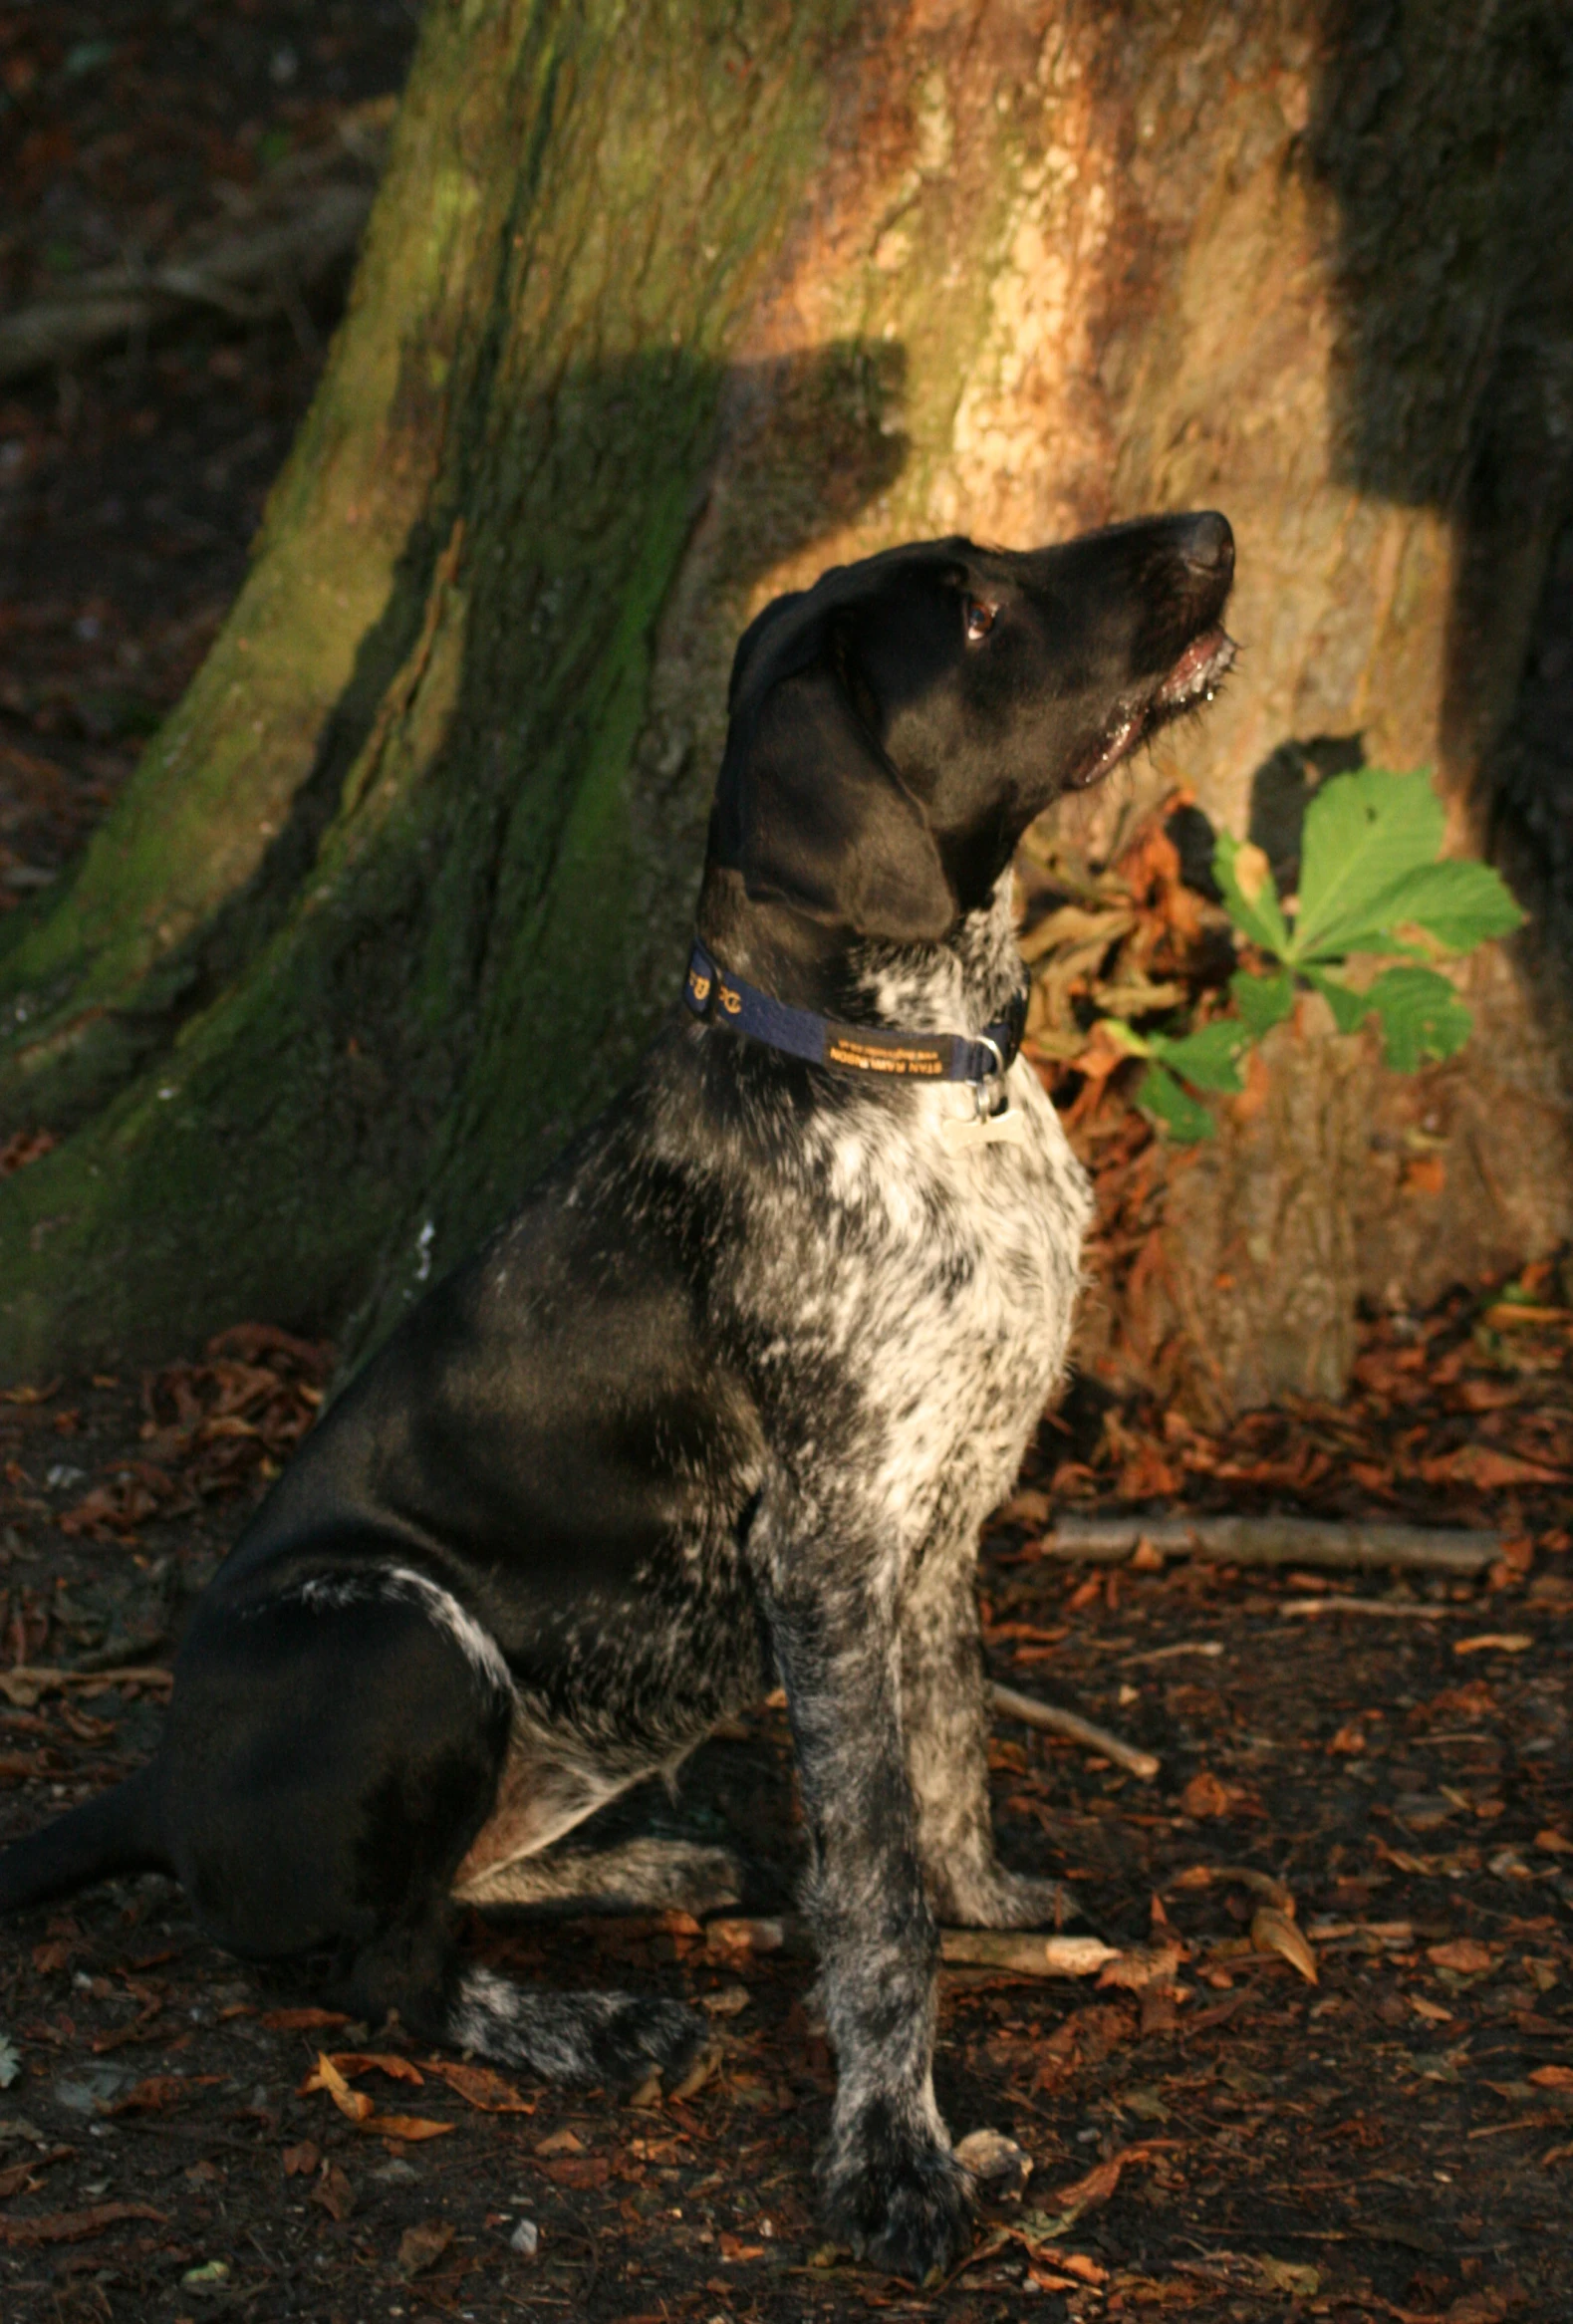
[664,306]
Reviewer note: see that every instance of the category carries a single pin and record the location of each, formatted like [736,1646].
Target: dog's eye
[978,619]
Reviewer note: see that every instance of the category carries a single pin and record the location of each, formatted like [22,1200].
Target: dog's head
[895,728]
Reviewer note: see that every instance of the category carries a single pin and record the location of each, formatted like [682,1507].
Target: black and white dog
[729,1397]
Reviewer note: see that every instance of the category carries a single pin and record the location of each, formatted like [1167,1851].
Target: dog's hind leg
[640,1876]
[331,1755]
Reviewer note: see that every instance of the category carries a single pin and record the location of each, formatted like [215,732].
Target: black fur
[728,1395]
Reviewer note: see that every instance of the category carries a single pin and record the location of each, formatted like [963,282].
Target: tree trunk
[661,308]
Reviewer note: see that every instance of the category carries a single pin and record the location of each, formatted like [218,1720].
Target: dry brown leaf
[325,2075]
[1552,2077]
[352,2062]
[579,2171]
[479,2087]
[1274,1932]
[301,2020]
[332,2192]
[414,2126]
[733,2247]
[420,2247]
[159,2090]
[1465,1953]
[563,2142]
[301,2161]
[1142,1965]
[77,2226]
[1205,1796]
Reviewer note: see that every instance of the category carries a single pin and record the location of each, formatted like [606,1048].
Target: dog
[725,1403]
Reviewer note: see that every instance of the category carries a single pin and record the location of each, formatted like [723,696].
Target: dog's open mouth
[1195,678]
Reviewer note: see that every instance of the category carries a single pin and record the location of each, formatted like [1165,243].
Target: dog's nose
[1208,544]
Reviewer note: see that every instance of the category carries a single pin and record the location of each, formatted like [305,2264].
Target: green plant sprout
[1373,882]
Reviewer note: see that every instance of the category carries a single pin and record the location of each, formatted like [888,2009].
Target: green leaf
[1172,1104]
[1243,875]
[1263,1001]
[1364,834]
[1460,905]
[1126,1036]
[1350,1008]
[1421,1016]
[1210,1057]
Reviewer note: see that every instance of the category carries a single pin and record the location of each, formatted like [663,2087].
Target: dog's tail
[120,1831]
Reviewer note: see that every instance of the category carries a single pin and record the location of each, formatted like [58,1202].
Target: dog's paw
[900,2200]
[1009,1900]
[645,2045]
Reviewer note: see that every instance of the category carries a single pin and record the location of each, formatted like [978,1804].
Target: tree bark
[661,308]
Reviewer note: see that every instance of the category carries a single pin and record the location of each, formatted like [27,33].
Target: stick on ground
[1054,1722]
[1276,1541]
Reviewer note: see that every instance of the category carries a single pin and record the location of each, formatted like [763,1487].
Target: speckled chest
[931,1293]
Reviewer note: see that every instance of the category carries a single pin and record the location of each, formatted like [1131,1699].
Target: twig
[243,276]
[1276,1541]
[1055,1721]
[1333,1604]
[1023,1955]
[1014,1951]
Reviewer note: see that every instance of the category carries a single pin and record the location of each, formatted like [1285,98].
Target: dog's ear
[807,806]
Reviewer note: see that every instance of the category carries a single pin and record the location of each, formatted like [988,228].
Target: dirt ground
[1231,2140]
[1393,2141]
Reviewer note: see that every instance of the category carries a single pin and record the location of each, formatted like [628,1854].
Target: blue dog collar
[720,998]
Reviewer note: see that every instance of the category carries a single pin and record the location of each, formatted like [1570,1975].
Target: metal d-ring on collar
[713,993]
[983,1094]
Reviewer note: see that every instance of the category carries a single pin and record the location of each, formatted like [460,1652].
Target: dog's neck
[960,983]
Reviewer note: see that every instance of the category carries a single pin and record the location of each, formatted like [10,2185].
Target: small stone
[525,2239]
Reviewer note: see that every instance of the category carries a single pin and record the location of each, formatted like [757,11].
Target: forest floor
[1393,2140]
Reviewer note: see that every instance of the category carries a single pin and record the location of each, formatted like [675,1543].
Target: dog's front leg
[892,2189]
[944,1706]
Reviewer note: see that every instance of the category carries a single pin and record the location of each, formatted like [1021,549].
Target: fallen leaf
[352,2062]
[19,2180]
[1554,1843]
[325,2075]
[300,2161]
[1205,1796]
[77,2226]
[579,2171]
[733,2247]
[1290,2275]
[1463,1953]
[1140,1967]
[301,2020]
[563,2142]
[1552,2077]
[150,2097]
[414,2126]
[332,2192]
[420,2247]
[1096,2187]
[1274,1932]
[479,2087]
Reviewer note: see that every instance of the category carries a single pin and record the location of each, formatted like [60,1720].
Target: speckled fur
[729,1397]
